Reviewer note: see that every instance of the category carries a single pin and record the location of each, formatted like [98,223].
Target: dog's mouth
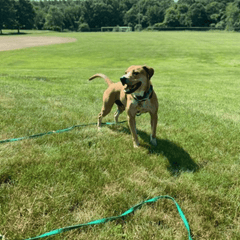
[132,88]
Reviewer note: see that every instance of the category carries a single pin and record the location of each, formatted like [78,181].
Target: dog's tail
[100,75]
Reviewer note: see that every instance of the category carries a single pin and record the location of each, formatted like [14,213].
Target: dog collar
[147,95]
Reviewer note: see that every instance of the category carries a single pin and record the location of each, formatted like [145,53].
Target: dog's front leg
[132,126]
[154,120]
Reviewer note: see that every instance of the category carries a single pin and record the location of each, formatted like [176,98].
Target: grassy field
[82,175]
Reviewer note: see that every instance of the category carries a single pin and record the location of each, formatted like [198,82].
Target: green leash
[57,131]
[105,220]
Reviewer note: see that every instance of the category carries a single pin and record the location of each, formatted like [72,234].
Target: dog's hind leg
[108,101]
[116,115]
[106,109]
[120,109]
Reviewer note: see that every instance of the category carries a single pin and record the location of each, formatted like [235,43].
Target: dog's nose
[123,79]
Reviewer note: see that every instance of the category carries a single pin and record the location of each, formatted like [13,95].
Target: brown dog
[135,94]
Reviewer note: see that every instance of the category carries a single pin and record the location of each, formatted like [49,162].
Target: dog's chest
[141,106]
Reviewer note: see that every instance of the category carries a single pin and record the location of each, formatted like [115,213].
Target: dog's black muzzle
[124,80]
[130,87]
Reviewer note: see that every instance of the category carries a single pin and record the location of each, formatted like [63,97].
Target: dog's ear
[149,71]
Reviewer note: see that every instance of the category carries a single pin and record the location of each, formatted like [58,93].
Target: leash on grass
[57,131]
[105,220]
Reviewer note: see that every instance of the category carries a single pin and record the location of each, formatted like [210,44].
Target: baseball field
[73,177]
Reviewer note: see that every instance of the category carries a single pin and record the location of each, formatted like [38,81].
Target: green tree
[39,19]
[172,17]
[127,4]
[54,19]
[197,15]
[183,15]
[154,7]
[233,16]
[117,12]
[132,17]
[155,14]
[188,2]
[215,11]
[87,13]
[72,14]
[7,14]
[182,8]
[102,15]
[83,27]
[147,12]
[24,14]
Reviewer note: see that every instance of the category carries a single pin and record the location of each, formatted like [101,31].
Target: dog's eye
[135,73]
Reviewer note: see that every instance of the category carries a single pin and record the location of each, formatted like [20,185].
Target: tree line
[85,15]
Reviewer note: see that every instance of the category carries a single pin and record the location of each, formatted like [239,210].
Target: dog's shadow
[179,159]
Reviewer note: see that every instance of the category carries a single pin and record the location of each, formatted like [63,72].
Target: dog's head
[137,79]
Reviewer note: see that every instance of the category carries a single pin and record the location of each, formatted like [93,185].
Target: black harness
[139,99]
[147,95]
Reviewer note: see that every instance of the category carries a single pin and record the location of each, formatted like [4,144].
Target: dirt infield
[11,43]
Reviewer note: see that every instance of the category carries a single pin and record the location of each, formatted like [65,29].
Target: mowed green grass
[85,174]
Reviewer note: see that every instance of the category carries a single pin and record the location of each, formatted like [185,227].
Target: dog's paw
[153,141]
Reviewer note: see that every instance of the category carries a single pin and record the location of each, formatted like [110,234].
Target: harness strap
[147,95]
